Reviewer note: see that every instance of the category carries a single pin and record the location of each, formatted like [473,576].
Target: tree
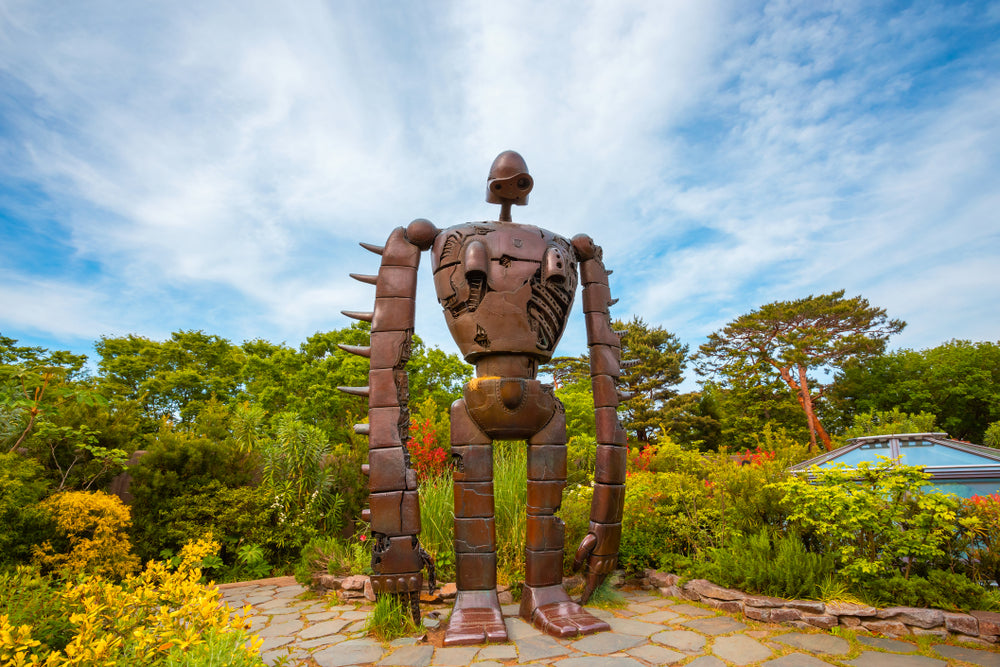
[173,378]
[658,362]
[958,382]
[817,335]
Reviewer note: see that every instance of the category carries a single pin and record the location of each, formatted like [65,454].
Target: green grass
[510,489]
[390,619]
[437,520]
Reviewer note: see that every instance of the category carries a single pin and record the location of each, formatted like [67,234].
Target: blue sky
[204,165]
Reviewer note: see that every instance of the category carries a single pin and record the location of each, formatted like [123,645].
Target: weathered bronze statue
[506,290]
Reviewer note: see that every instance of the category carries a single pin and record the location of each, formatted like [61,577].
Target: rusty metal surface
[506,290]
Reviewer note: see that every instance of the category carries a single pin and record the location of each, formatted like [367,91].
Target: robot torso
[505,288]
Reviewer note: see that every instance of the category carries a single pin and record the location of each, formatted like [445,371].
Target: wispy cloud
[211,166]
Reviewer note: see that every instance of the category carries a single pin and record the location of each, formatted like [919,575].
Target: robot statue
[506,290]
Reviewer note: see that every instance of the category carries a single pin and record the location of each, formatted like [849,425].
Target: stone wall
[977,626]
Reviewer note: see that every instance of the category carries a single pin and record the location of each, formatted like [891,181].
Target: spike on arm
[377,249]
[360,350]
[355,391]
[364,278]
[357,315]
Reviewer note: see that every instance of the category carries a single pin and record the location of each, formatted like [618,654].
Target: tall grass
[510,491]
[437,519]
[437,507]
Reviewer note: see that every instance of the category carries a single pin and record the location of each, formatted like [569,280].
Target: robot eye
[497,186]
[522,183]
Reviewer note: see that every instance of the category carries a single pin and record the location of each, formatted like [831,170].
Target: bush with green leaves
[876,520]
[27,597]
[769,563]
[24,522]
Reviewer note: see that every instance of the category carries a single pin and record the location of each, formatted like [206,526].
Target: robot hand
[599,552]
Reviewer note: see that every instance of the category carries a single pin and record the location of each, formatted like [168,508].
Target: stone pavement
[648,630]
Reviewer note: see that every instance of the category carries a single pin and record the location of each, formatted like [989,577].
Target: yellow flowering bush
[92,528]
[158,617]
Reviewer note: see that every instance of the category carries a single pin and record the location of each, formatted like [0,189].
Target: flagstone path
[649,630]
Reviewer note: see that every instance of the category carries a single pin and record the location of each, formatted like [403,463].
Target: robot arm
[599,549]
[394,509]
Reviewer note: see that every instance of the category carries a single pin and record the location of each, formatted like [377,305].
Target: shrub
[940,589]
[29,598]
[770,564]
[333,555]
[983,550]
[665,513]
[235,516]
[876,520]
[91,535]
[24,522]
[155,618]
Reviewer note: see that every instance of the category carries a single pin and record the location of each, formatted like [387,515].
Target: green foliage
[876,520]
[789,340]
[607,596]
[665,513]
[333,555]
[510,497]
[652,381]
[24,522]
[581,456]
[982,549]
[29,598]
[390,619]
[890,422]
[958,381]
[437,521]
[771,564]
[941,589]
[991,438]
[235,516]
[173,378]
[293,456]
[252,559]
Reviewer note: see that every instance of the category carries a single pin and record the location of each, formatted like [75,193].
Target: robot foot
[476,619]
[550,610]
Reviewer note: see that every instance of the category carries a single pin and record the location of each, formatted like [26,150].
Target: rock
[825,621]
[894,628]
[369,591]
[979,641]
[325,582]
[763,601]
[670,591]
[575,581]
[661,579]
[989,622]
[783,614]
[706,588]
[355,582]
[849,621]
[505,597]
[430,598]
[918,616]
[762,614]
[934,632]
[448,591]
[850,609]
[809,606]
[730,606]
[965,624]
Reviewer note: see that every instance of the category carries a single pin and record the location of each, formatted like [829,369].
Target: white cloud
[221,161]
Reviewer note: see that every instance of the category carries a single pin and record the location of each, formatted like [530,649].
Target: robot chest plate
[505,288]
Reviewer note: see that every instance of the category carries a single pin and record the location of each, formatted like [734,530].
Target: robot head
[508,180]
